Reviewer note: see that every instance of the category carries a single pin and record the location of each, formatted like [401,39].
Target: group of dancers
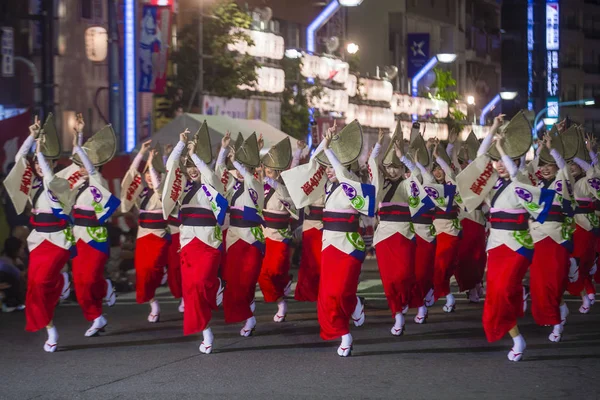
[220,227]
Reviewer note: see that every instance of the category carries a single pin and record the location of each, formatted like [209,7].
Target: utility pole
[48,56]
[114,99]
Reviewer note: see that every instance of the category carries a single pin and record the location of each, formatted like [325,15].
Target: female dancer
[510,246]
[275,281]
[51,239]
[152,244]
[394,237]
[202,209]
[422,292]
[245,240]
[548,275]
[94,204]
[586,190]
[471,257]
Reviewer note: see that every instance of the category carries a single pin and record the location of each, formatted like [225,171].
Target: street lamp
[352,48]
[322,19]
[537,126]
[470,100]
[350,3]
[503,95]
[443,58]
[293,53]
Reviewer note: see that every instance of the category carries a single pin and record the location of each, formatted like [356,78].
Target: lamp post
[503,95]
[585,102]
[445,58]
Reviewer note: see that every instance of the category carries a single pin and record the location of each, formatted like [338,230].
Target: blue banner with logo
[418,52]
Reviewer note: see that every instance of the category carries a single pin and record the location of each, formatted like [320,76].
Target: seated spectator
[12,275]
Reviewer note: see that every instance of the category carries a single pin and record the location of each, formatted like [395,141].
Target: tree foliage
[223,70]
[445,89]
[295,116]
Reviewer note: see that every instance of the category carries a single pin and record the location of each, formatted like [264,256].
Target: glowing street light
[503,95]
[506,95]
[350,3]
[446,58]
[470,100]
[352,48]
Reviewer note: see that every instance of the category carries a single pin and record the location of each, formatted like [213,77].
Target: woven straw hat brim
[389,157]
[518,138]
[418,144]
[157,162]
[570,139]
[248,154]
[557,144]
[346,145]
[100,148]
[443,153]
[51,146]
[582,152]
[470,147]
[239,141]
[203,147]
[279,156]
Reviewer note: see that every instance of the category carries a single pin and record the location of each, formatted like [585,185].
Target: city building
[551,52]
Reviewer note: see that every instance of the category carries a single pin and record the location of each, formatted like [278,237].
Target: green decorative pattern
[413,202]
[358,202]
[356,240]
[98,233]
[258,234]
[218,233]
[524,239]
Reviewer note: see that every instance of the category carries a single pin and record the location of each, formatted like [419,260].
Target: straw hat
[469,148]
[51,147]
[443,153]
[418,145]
[556,143]
[239,141]
[390,158]
[248,153]
[203,148]
[582,152]
[279,156]
[570,139]
[346,145]
[157,161]
[518,138]
[100,148]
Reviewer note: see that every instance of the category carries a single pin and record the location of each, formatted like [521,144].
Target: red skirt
[151,256]
[548,278]
[309,273]
[199,269]
[88,279]
[275,271]
[174,267]
[340,273]
[584,251]
[424,259]
[241,272]
[472,257]
[446,252]
[44,284]
[504,297]
[396,261]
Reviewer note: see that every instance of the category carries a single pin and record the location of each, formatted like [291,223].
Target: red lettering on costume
[225,178]
[482,180]
[532,179]
[26,180]
[309,186]
[133,187]
[176,189]
[73,179]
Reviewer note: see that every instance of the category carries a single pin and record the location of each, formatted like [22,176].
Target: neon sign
[130,75]
[552,54]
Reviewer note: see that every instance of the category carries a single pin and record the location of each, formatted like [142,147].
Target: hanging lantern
[96,43]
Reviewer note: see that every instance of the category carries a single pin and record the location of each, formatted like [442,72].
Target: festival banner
[418,52]
[154,40]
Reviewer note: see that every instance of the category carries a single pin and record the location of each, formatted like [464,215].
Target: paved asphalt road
[447,358]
